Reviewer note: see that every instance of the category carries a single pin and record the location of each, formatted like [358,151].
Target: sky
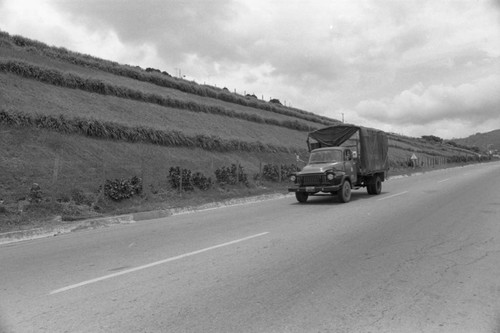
[412,67]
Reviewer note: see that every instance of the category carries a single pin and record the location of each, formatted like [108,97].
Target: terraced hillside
[72,123]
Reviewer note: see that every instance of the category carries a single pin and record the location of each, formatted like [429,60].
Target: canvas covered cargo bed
[371,145]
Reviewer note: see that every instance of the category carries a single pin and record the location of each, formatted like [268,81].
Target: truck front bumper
[315,188]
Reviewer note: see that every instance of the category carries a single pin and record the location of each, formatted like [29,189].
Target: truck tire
[375,186]
[301,196]
[344,193]
[369,189]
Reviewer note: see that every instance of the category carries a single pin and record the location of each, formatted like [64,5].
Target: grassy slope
[20,54]
[64,163]
[34,97]
[401,148]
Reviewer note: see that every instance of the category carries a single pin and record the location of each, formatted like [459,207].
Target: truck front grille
[312,180]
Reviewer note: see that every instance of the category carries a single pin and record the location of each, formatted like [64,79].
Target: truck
[342,157]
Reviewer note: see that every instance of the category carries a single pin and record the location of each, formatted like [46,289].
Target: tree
[432,138]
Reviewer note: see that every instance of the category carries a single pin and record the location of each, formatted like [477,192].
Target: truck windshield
[325,156]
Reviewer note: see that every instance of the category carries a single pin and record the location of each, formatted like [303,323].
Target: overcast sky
[422,67]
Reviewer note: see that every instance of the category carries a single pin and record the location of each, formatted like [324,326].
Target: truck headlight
[330,176]
[293,178]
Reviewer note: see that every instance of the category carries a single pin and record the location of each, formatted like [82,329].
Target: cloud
[176,28]
[43,22]
[473,102]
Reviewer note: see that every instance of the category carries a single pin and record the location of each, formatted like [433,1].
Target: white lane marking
[444,180]
[156,263]
[392,196]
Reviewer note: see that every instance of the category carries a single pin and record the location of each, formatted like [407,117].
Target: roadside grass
[50,214]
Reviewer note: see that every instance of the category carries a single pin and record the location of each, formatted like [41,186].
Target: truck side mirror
[354,154]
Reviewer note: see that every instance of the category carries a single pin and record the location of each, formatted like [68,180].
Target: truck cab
[329,170]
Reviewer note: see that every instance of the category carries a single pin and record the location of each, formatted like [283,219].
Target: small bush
[119,189]
[35,194]
[231,175]
[272,171]
[180,178]
[188,181]
[202,182]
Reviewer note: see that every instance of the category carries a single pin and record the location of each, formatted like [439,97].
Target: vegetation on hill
[489,141]
[75,81]
[114,131]
[151,76]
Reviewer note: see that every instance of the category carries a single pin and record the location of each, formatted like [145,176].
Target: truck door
[350,166]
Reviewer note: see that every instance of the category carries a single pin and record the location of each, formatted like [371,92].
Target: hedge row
[408,163]
[75,81]
[185,180]
[167,81]
[431,152]
[114,131]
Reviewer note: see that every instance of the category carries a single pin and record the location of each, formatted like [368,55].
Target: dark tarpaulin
[372,156]
[332,136]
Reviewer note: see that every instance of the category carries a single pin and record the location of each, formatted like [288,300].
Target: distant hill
[485,141]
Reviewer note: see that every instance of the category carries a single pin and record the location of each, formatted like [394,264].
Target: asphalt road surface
[424,256]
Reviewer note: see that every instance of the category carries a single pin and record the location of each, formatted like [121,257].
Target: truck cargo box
[370,145]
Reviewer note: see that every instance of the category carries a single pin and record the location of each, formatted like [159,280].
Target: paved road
[422,256]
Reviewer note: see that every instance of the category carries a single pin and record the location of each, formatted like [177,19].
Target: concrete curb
[103,222]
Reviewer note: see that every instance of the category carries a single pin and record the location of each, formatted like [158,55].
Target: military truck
[342,157]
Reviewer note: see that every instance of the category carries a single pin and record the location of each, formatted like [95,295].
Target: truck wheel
[301,196]
[369,189]
[345,192]
[375,186]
